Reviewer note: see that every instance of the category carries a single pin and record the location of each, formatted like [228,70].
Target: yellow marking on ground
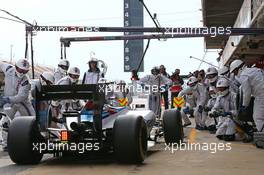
[192,136]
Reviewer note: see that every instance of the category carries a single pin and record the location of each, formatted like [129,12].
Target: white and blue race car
[95,127]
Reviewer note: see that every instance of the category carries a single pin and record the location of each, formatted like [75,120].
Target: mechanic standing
[93,75]
[200,94]
[252,84]
[47,79]
[177,83]
[71,79]
[164,94]
[16,94]
[212,76]
[225,106]
[155,80]
[62,69]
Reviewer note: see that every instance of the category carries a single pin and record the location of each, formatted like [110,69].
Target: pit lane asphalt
[243,158]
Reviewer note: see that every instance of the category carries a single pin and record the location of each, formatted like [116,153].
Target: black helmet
[155,71]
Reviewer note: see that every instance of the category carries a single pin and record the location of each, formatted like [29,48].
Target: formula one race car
[95,127]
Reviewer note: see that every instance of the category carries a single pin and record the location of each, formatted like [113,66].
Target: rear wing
[96,93]
[63,92]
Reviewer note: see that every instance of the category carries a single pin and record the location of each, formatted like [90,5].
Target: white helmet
[65,63]
[211,70]
[235,64]
[74,74]
[223,71]
[22,64]
[211,74]
[223,83]
[22,67]
[74,71]
[192,81]
[93,60]
[63,66]
[47,78]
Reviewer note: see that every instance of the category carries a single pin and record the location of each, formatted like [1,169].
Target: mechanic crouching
[252,85]
[211,122]
[16,94]
[225,108]
[200,94]
[212,76]
[188,108]
[62,69]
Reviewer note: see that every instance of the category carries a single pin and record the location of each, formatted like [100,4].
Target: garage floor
[241,159]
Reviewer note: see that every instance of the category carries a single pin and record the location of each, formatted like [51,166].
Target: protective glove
[142,85]
[227,113]
[213,114]
[4,100]
[242,109]
[186,110]
[191,111]
[200,109]
[58,120]
[206,109]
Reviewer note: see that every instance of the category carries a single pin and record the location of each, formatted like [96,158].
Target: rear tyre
[172,125]
[22,133]
[130,139]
